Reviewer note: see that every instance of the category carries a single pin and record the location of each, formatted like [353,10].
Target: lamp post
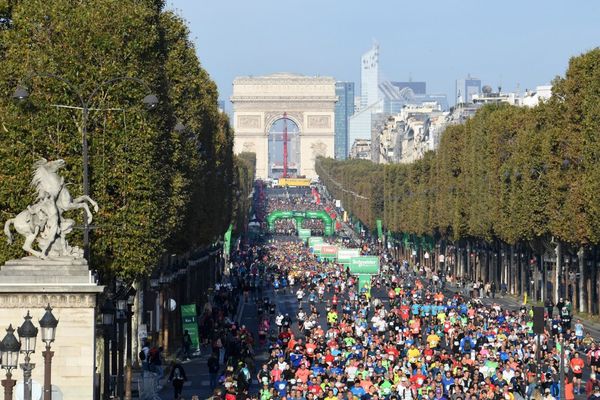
[48,323]
[150,101]
[128,355]
[121,319]
[108,318]
[9,348]
[27,336]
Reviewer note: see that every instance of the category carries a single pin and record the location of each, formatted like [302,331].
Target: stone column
[67,285]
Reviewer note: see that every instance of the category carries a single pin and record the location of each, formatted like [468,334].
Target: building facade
[344,109]
[259,106]
[359,125]
[361,149]
[369,77]
[409,134]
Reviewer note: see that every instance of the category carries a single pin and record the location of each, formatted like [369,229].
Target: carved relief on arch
[319,149]
[248,121]
[41,300]
[319,121]
[249,147]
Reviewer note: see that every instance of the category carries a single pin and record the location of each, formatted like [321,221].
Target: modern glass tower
[466,88]
[344,109]
[369,77]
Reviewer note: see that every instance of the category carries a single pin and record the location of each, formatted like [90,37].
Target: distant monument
[44,220]
[307,103]
[57,274]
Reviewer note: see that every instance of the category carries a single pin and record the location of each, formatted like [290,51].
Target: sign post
[189,322]
[364,267]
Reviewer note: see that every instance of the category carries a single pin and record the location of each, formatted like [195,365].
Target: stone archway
[275,138]
[258,102]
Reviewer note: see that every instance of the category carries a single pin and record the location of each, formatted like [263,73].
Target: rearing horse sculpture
[44,220]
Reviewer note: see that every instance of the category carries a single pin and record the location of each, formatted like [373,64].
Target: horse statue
[44,220]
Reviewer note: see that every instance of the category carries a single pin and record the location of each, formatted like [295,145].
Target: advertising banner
[329,250]
[314,240]
[304,234]
[189,322]
[379,229]
[344,256]
[227,240]
[316,248]
[364,265]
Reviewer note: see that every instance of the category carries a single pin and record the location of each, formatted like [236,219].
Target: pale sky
[507,42]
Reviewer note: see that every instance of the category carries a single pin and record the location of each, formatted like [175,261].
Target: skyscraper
[369,77]
[466,88]
[344,109]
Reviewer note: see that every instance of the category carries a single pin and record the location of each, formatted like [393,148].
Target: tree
[158,189]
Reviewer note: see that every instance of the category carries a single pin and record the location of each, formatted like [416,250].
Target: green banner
[364,282]
[312,241]
[188,320]
[379,229]
[227,240]
[299,216]
[304,234]
[364,265]
[344,256]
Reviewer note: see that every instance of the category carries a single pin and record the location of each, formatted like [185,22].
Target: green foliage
[509,173]
[244,172]
[159,190]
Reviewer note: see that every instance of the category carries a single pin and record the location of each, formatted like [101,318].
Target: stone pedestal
[68,286]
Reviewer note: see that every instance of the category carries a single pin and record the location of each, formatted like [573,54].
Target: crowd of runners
[405,337]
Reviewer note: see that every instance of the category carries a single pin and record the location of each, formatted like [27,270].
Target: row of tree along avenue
[512,196]
[164,176]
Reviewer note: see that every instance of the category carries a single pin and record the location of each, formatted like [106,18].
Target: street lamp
[130,303]
[27,336]
[108,318]
[180,127]
[9,348]
[121,319]
[20,93]
[48,323]
[150,101]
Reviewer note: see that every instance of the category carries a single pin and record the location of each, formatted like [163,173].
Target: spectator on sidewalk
[177,377]
[187,345]
[213,369]
[549,307]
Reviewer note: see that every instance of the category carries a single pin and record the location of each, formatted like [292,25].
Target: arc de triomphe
[258,102]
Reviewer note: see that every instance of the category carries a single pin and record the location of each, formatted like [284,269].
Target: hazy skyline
[506,43]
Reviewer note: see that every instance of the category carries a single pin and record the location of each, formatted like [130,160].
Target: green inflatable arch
[300,216]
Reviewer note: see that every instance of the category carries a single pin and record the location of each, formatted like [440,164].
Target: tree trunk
[511,269]
[581,280]
[469,260]
[557,271]
[524,275]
